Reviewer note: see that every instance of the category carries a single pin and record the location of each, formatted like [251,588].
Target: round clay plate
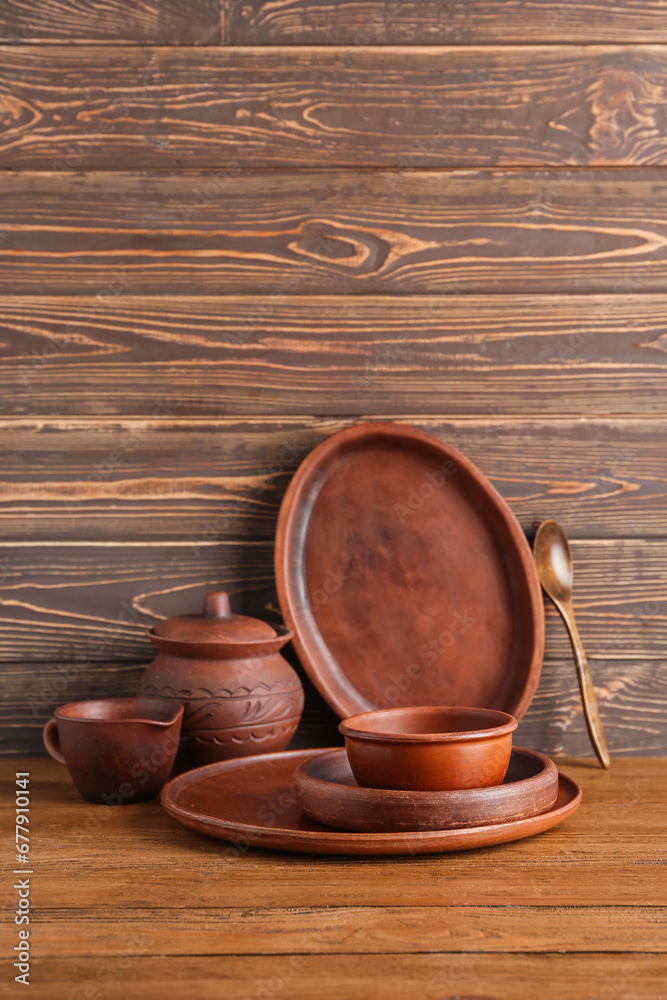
[250,801]
[406,578]
[325,788]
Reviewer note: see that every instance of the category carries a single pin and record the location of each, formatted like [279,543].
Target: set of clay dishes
[428,768]
[402,576]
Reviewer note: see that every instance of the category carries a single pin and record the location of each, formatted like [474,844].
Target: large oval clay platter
[406,578]
[250,801]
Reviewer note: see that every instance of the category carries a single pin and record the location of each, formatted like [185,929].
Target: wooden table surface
[127,903]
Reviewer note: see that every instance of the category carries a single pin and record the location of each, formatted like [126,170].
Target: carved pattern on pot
[261,689]
[224,737]
[215,715]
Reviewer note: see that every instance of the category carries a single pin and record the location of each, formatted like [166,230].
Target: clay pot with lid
[241,696]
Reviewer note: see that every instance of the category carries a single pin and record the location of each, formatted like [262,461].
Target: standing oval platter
[406,578]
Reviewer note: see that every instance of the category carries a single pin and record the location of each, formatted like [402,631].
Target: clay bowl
[325,789]
[429,749]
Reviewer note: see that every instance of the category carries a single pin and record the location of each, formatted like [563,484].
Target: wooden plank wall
[231,227]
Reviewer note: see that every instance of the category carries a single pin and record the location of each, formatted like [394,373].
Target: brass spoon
[554,568]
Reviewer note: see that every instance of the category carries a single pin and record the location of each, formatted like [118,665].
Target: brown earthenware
[241,696]
[327,792]
[117,750]
[406,578]
[251,802]
[430,748]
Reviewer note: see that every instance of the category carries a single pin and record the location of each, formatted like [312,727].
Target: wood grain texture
[632,692]
[132,22]
[600,857]
[216,109]
[213,258]
[332,22]
[334,232]
[387,977]
[168,479]
[632,875]
[494,918]
[443,22]
[96,600]
[632,696]
[222,356]
[356,930]
[329,22]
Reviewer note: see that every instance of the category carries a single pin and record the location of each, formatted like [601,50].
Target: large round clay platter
[250,802]
[326,790]
[406,578]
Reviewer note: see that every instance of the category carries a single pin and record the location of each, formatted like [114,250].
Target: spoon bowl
[554,561]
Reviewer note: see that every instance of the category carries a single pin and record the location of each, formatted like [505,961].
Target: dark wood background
[228,229]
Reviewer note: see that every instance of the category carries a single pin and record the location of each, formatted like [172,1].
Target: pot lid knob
[216,604]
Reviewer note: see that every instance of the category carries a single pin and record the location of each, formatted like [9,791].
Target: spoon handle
[588,696]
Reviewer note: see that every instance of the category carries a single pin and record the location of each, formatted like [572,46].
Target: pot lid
[215,624]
